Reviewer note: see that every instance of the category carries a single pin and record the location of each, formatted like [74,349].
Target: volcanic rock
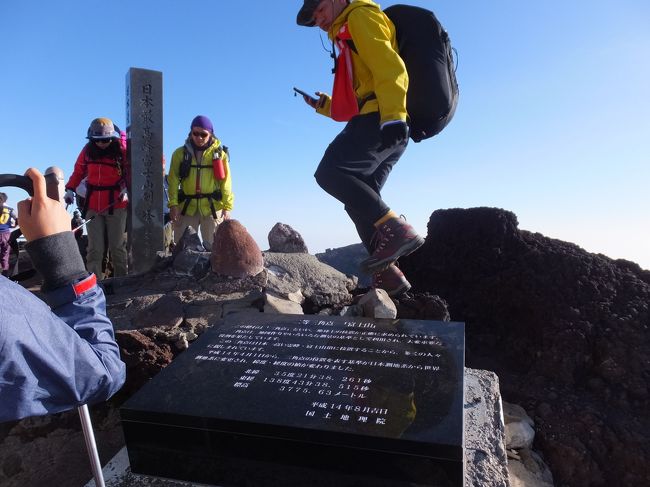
[565,330]
[190,240]
[283,238]
[234,252]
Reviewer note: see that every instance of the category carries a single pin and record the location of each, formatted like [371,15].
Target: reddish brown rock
[143,357]
[234,252]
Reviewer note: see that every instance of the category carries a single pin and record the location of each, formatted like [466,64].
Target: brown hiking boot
[395,239]
[391,280]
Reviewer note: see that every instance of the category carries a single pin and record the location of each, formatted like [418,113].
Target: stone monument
[144,128]
[289,400]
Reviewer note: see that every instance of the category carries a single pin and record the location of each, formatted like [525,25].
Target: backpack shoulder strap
[186,154]
[184,169]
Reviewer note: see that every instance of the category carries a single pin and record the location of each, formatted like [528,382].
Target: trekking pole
[96,215]
[91,446]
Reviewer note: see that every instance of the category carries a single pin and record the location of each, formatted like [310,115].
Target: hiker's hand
[41,216]
[393,134]
[68,197]
[315,103]
[174,213]
[124,195]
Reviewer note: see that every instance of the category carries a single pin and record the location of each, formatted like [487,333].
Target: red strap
[86,285]
[344,99]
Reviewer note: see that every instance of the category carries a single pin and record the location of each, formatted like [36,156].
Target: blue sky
[553,122]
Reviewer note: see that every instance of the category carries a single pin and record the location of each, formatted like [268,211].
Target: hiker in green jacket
[200,186]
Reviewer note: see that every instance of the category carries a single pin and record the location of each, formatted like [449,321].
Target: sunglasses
[201,135]
[103,141]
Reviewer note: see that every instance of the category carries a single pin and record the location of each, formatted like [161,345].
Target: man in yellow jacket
[200,187]
[370,86]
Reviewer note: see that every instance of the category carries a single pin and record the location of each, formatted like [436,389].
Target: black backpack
[426,50]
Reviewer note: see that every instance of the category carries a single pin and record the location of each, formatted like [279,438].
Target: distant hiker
[370,87]
[102,163]
[168,226]
[57,357]
[200,187]
[76,222]
[8,221]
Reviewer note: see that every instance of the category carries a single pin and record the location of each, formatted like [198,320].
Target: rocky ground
[565,330]
[49,451]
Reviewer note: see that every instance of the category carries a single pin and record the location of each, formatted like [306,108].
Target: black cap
[306,14]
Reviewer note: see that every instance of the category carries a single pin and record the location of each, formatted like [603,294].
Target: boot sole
[383,264]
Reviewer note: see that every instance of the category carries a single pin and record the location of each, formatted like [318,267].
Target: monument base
[226,459]
[485,457]
[287,400]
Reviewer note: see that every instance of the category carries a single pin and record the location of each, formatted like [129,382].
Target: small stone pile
[526,468]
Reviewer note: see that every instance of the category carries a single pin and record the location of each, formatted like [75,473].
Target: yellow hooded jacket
[202,178]
[377,66]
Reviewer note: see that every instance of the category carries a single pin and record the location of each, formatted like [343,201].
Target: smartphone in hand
[303,93]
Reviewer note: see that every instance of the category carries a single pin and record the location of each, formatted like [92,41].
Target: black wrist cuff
[58,260]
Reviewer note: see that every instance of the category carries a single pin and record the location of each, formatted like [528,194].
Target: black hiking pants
[353,170]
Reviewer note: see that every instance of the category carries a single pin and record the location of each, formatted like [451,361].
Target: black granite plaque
[292,400]
[145,141]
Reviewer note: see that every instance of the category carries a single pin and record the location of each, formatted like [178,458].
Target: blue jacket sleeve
[58,357]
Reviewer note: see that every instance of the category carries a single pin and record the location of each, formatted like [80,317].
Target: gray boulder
[319,283]
[283,238]
[377,304]
[347,260]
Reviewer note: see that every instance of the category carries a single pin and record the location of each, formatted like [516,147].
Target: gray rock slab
[485,456]
[282,306]
[486,463]
[320,283]
[218,284]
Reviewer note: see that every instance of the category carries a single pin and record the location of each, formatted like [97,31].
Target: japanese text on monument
[335,367]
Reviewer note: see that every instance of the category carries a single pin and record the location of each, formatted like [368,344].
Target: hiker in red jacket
[102,162]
